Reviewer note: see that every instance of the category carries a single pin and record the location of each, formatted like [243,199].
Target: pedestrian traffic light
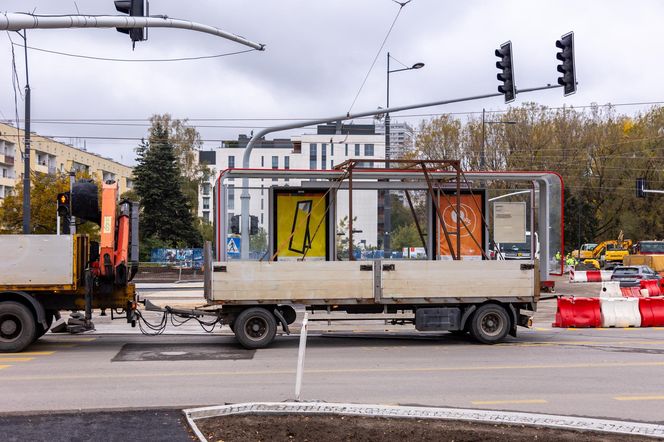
[566,67]
[134,8]
[235,224]
[253,229]
[63,204]
[507,75]
[640,187]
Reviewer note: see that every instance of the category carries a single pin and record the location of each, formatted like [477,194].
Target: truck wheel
[18,327]
[255,328]
[490,324]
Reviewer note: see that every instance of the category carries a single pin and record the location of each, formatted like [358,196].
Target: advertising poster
[509,222]
[300,225]
[472,209]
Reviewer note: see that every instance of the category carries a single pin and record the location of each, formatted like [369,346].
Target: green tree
[166,213]
[186,142]
[258,242]
[406,236]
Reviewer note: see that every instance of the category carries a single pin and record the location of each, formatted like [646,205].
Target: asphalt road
[611,373]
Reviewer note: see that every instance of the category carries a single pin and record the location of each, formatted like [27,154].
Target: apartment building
[329,146]
[50,156]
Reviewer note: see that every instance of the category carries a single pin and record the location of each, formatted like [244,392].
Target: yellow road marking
[4,366]
[30,353]
[595,342]
[71,339]
[132,375]
[639,398]
[513,401]
[3,359]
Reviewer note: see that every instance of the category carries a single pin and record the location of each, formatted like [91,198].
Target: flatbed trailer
[486,298]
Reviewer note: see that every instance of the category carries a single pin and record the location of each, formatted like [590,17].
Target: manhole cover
[179,352]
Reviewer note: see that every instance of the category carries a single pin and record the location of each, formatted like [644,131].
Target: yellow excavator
[605,255]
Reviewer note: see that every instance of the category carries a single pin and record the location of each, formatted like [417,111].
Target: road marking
[4,359]
[132,375]
[4,366]
[69,339]
[30,353]
[512,401]
[639,398]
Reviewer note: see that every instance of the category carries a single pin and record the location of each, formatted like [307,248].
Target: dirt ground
[327,428]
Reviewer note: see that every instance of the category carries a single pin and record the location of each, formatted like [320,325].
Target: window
[261,218]
[262,161]
[357,150]
[231,162]
[262,204]
[331,164]
[323,155]
[312,155]
[206,216]
[206,188]
[206,203]
[346,150]
[368,150]
[286,162]
[332,148]
[275,162]
[231,197]
[262,189]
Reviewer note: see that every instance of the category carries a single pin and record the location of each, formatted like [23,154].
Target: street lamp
[484,123]
[387,203]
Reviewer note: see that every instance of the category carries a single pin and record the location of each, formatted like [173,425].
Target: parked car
[629,276]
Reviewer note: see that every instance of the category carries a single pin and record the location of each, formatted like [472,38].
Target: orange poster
[472,207]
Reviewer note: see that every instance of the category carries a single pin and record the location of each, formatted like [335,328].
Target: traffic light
[566,67]
[63,204]
[507,75]
[235,224]
[134,8]
[253,230]
[640,187]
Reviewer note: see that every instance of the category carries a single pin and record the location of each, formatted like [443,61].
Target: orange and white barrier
[620,312]
[589,275]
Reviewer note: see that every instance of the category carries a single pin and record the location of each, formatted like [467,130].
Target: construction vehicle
[457,288]
[649,253]
[607,254]
[584,252]
[41,275]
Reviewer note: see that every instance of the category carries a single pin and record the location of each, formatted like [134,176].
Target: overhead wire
[389,31]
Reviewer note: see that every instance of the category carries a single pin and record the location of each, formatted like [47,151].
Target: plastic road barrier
[620,312]
[652,285]
[589,275]
[610,289]
[633,292]
[652,312]
[578,312]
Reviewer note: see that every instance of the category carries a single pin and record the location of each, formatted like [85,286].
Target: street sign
[233,247]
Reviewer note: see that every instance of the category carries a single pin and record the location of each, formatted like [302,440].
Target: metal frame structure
[416,175]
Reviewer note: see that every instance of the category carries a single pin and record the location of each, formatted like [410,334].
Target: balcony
[7,181]
[41,168]
[6,159]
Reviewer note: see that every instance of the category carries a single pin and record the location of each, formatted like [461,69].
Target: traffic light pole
[13,21]
[26,145]
[245,197]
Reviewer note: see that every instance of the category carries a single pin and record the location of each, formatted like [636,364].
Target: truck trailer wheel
[255,328]
[490,324]
[18,327]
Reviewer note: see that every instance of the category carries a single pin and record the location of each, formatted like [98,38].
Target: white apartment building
[330,146]
[400,135]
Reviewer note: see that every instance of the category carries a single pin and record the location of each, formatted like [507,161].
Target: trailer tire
[490,324]
[255,327]
[18,327]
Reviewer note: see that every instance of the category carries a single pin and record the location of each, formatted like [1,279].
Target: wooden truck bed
[372,282]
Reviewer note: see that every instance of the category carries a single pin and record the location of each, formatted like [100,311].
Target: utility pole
[482,152]
[26,144]
[387,201]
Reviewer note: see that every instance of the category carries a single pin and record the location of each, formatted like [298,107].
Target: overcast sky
[317,55]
